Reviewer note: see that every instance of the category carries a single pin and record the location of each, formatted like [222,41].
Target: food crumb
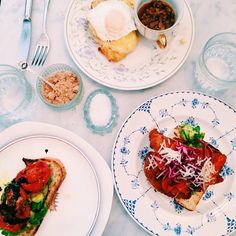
[65,87]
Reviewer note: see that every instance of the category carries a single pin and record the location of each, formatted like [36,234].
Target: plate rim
[28,137]
[130,88]
[124,123]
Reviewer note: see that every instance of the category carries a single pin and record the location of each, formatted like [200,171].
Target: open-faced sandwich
[184,166]
[26,199]
[113,28]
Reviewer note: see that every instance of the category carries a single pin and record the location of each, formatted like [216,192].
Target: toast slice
[46,195]
[192,202]
[183,175]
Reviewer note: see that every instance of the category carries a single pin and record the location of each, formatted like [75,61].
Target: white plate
[26,129]
[78,198]
[145,67]
[155,212]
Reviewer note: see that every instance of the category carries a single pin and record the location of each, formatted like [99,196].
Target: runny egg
[111,19]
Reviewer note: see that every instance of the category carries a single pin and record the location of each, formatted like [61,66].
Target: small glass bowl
[16,95]
[50,71]
[112,121]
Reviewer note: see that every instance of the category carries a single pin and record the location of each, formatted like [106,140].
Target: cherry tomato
[37,175]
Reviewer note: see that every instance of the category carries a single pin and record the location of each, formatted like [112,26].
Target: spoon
[25,66]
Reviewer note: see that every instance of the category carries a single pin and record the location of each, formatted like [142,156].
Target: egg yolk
[114,22]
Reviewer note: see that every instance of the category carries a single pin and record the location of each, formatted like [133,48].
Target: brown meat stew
[157,15]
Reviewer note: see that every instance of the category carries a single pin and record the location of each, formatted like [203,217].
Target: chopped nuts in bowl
[64,89]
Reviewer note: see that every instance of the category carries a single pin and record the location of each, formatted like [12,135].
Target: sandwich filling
[182,165]
[23,200]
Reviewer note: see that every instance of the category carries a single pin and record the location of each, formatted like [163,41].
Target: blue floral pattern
[195,102]
[124,150]
[135,183]
[191,121]
[163,112]
[178,208]
[213,142]
[233,143]
[226,171]
[208,194]
[143,153]
[229,196]
[132,147]
[211,217]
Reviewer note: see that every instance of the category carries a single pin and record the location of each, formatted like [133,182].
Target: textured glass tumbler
[16,96]
[215,69]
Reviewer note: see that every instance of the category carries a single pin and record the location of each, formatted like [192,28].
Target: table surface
[211,17]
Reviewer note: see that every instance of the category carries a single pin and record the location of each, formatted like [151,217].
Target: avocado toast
[27,198]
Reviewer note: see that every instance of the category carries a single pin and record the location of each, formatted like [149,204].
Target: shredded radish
[182,163]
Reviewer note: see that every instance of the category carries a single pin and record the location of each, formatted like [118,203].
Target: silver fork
[43,44]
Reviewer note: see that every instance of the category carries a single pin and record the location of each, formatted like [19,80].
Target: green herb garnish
[191,135]
[37,217]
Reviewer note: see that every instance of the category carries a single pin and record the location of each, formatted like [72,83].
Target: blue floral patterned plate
[155,212]
[145,67]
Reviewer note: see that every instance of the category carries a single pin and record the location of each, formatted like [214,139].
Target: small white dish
[100,111]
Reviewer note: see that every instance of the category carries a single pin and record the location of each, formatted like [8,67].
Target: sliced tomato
[219,162]
[9,227]
[22,206]
[37,175]
[165,184]
[183,187]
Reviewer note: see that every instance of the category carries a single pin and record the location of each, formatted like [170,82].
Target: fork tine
[35,55]
[40,54]
[45,55]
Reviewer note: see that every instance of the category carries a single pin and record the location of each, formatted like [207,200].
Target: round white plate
[26,129]
[155,212]
[145,67]
[78,199]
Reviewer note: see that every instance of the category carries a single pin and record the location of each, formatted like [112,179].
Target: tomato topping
[37,175]
[219,162]
[22,206]
[9,227]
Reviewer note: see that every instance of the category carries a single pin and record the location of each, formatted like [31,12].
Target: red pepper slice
[9,227]
[37,175]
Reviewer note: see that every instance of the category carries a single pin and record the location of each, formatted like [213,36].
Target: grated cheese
[152,163]
[207,171]
[170,155]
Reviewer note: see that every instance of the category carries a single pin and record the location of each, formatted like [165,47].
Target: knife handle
[28,9]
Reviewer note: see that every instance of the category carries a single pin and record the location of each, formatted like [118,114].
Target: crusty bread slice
[58,175]
[192,202]
[189,202]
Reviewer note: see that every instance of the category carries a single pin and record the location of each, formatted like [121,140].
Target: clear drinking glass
[15,96]
[215,69]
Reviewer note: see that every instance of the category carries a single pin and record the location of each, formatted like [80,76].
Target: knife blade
[25,38]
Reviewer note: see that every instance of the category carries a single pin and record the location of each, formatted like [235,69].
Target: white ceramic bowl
[178,6]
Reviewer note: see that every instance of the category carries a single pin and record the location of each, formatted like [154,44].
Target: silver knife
[25,38]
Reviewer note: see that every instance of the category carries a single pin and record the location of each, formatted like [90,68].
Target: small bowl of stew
[157,19]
